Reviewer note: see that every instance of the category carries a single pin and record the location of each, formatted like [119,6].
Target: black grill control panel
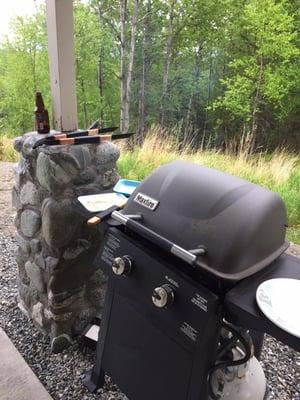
[147,284]
[157,321]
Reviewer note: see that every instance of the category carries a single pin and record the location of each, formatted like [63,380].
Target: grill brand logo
[146,201]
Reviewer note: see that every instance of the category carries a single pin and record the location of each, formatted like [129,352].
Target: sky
[11,8]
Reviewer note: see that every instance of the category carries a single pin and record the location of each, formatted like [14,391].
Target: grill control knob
[163,296]
[122,265]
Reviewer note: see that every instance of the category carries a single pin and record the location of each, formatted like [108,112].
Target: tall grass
[280,171]
[7,152]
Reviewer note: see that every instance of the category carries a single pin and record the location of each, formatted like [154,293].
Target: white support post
[60,27]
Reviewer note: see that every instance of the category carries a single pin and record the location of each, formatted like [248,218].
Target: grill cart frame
[167,329]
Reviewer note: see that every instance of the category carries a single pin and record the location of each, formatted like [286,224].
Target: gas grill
[184,260]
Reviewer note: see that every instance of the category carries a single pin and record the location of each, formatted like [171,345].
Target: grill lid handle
[155,238]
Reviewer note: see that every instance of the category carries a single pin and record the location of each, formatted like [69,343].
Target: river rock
[82,155]
[108,177]
[107,153]
[37,314]
[15,199]
[35,245]
[23,243]
[59,234]
[51,263]
[35,276]
[46,171]
[21,171]
[29,194]
[18,143]
[61,342]
[21,256]
[40,261]
[30,222]
[24,293]
[29,140]
[73,252]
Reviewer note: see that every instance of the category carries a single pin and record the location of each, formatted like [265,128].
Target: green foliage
[265,65]
[94,40]
[24,69]
[236,97]
[234,68]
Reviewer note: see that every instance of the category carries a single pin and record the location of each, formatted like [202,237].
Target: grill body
[190,249]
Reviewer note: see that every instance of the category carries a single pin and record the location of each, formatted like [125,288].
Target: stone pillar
[59,288]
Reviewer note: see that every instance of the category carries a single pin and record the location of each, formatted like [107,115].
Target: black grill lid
[241,225]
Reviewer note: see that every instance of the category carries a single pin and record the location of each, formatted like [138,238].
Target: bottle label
[41,122]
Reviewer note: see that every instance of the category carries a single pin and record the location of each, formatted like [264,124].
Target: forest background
[214,82]
[217,71]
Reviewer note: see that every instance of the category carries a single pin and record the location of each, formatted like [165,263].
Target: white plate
[279,300]
[101,202]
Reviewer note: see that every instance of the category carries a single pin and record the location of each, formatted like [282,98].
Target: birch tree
[167,62]
[145,64]
[126,76]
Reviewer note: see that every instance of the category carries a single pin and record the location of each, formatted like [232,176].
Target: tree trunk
[167,62]
[34,54]
[101,85]
[123,8]
[146,40]
[100,7]
[254,127]
[84,103]
[208,95]
[34,69]
[130,66]
[141,112]
[197,94]
[188,125]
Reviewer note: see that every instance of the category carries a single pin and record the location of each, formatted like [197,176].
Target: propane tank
[243,382]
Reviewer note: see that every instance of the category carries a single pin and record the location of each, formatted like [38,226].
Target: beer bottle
[41,115]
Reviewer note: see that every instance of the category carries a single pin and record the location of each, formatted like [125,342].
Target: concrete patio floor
[17,381]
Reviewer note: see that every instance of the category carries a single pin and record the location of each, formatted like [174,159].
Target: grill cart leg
[258,341]
[93,380]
